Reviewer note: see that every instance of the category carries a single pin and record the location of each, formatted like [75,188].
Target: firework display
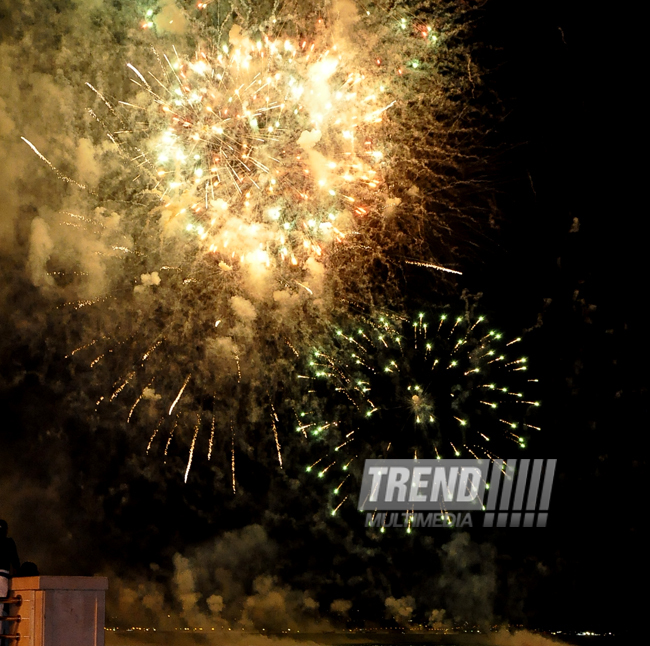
[303,326]
[433,386]
[238,163]
[270,174]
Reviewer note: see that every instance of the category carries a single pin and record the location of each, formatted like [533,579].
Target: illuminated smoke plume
[230,198]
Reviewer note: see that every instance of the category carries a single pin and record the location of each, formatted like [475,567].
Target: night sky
[559,254]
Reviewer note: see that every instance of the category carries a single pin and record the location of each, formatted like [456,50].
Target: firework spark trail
[170,437]
[155,432]
[154,347]
[232,458]
[277,441]
[59,174]
[137,401]
[432,266]
[338,506]
[123,385]
[96,360]
[84,347]
[211,441]
[274,421]
[191,456]
[103,98]
[180,394]
[85,219]
[85,302]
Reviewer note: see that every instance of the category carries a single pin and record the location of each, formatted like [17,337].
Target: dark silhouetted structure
[9,566]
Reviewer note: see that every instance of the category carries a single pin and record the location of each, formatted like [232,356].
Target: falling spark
[232,459]
[432,266]
[147,354]
[137,401]
[211,442]
[123,385]
[83,347]
[338,506]
[277,442]
[169,439]
[153,435]
[59,174]
[191,456]
[180,394]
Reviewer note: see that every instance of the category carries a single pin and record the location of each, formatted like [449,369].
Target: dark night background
[567,260]
[569,120]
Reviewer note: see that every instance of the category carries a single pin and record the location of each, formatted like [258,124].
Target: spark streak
[180,394]
[59,174]
[430,265]
[196,433]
